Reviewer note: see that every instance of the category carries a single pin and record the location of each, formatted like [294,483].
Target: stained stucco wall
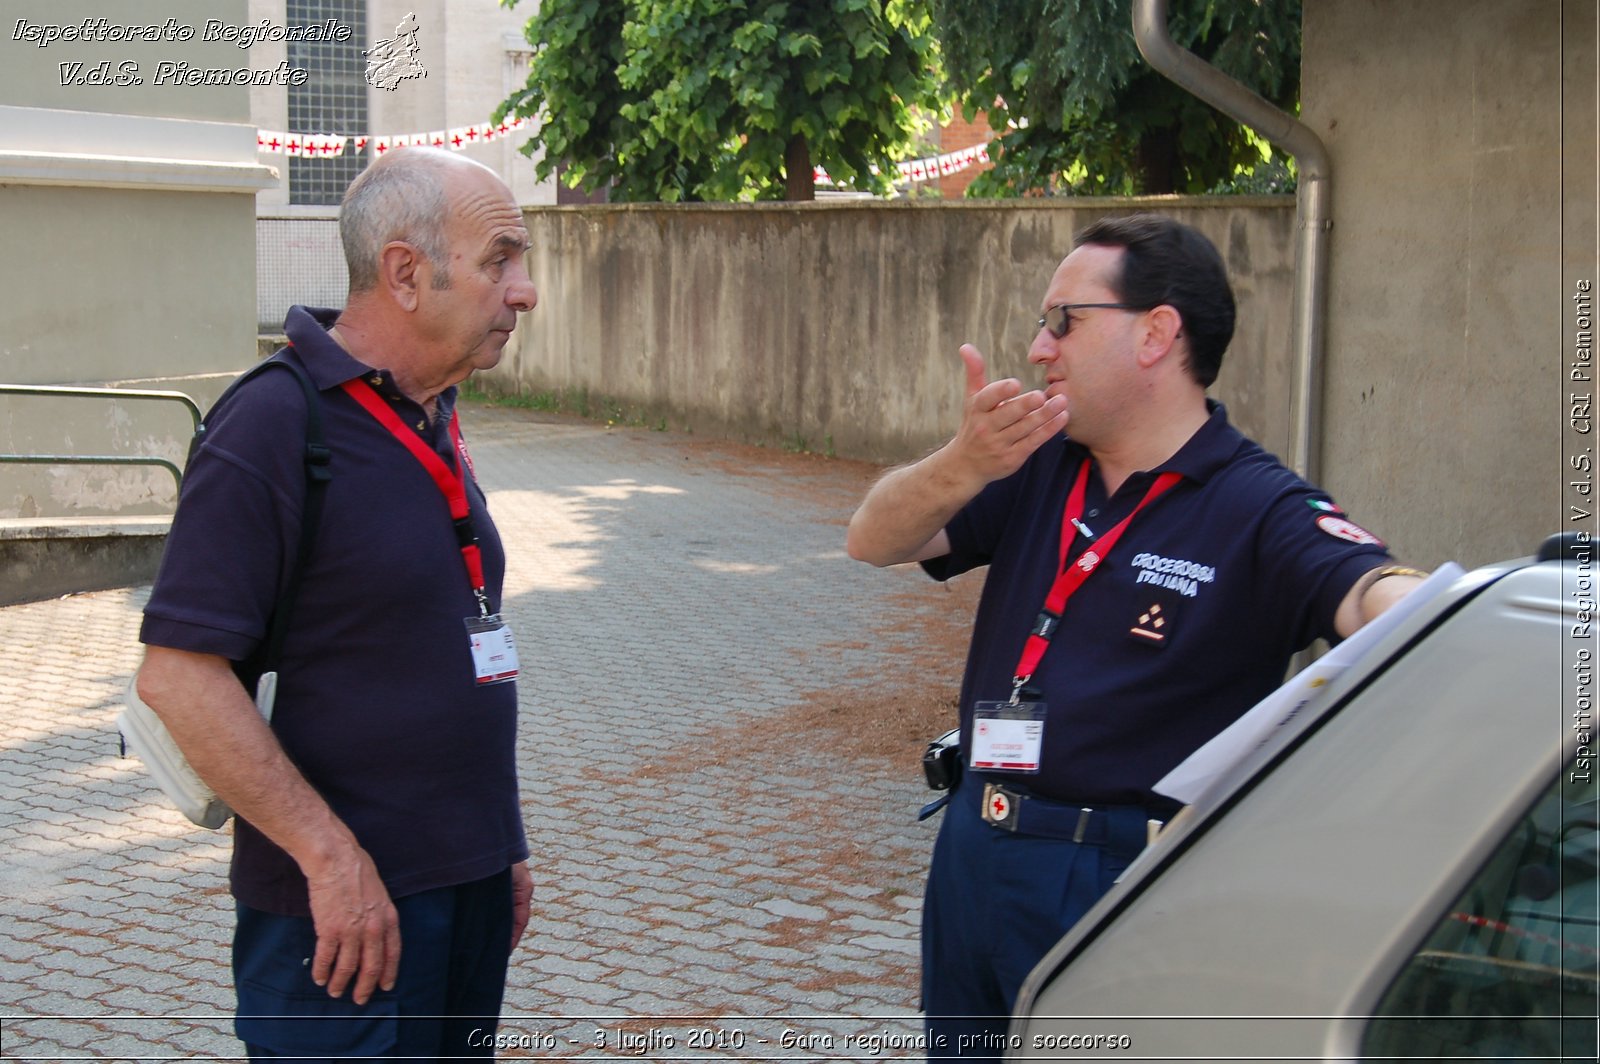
[836,325]
[1462,135]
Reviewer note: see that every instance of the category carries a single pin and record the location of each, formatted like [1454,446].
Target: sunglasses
[1059,321]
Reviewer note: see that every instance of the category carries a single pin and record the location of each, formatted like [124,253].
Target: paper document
[1247,734]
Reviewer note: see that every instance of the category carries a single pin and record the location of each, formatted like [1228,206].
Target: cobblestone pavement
[724,841]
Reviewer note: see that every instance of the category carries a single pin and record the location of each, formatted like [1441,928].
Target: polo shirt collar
[1207,451]
[329,364]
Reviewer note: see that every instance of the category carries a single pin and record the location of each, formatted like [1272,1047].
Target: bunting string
[332,145]
[932,168]
[459,138]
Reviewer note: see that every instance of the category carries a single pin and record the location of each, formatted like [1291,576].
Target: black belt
[1121,830]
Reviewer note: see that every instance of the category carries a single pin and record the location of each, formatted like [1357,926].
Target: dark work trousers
[454,946]
[995,904]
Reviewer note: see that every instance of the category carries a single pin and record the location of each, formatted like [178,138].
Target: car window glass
[1513,969]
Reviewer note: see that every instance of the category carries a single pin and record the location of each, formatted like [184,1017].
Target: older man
[1150,575]
[379,861]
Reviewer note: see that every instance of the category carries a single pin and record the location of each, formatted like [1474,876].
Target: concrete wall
[836,325]
[43,560]
[1463,216]
[129,213]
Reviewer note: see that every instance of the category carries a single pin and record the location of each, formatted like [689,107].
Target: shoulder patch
[1340,528]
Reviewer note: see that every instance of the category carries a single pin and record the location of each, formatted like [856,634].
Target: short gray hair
[402,197]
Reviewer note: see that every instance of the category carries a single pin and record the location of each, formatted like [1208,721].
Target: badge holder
[1007,736]
[494,651]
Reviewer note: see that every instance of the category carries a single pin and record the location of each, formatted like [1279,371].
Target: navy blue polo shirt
[1190,620]
[377,703]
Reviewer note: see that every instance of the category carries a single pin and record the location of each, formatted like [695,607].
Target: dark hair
[1167,262]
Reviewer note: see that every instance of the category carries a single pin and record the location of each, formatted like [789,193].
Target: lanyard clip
[1082,528]
[1016,689]
[483,601]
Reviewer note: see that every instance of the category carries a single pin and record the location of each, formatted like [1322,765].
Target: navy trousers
[995,904]
[455,943]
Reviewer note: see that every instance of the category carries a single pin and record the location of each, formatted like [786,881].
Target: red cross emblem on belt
[999,806]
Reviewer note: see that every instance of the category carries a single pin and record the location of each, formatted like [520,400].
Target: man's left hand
[521,900]
[1374,593]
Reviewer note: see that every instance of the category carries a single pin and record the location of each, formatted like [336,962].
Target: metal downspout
[1314,216]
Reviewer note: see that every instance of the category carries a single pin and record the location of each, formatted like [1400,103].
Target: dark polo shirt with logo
[377,703]
[1188,622]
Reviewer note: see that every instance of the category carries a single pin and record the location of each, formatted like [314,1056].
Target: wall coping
[16,529]
[89,149]
[1041,203]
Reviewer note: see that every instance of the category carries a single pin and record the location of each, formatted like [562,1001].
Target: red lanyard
[1070,578]
[452,484]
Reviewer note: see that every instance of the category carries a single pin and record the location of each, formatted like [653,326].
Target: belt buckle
[1000,806]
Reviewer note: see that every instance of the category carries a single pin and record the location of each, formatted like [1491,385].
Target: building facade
[379,75]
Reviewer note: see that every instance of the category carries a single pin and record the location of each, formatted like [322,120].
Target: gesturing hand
[1001,424]
[358,930]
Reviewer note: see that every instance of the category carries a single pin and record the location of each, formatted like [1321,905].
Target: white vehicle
[1408,869]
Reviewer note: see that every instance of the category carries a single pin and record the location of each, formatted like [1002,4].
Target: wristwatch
[1399,570]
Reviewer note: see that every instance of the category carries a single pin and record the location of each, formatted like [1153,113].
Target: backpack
[141,729]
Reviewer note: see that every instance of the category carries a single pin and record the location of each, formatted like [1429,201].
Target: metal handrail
[92,459]
[99,393]
[103,393]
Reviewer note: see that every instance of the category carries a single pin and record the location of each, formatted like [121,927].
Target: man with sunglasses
[1151,573]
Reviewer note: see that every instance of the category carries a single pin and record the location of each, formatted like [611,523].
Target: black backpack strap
[316,457]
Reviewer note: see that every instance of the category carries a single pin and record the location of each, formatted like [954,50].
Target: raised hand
[1001,424]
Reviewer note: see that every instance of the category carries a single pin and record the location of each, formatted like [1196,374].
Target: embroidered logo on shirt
[1176,574]
[1339,528]
[1151,626]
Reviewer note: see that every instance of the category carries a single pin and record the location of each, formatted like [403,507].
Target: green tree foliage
[1091,116]
[726,99]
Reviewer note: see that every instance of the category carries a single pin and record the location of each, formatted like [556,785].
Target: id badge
[494,652]
[1007,736]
